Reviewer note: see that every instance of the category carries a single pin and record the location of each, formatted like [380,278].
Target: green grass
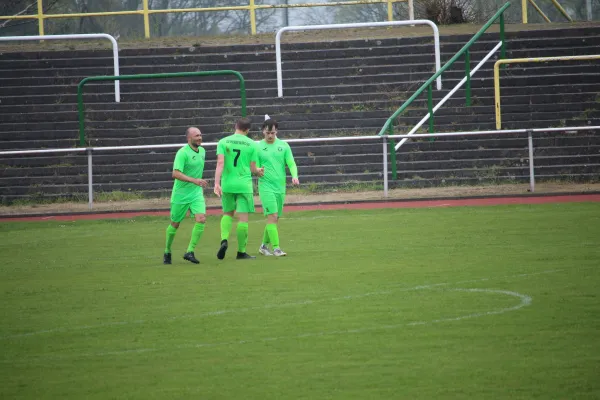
[368,305]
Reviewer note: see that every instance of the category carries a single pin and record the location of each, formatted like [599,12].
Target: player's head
[243,125]
[269,129]
[193,136]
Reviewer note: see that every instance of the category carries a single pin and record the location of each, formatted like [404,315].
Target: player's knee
[201,218]
[175,224]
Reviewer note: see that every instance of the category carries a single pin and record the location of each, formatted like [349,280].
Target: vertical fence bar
[40,17]
[385,167]
[90,180]
[392,153]
[524,11]
[146,18]
[531,172]
[430,106]
[390,10]
[468,76]
[252,17]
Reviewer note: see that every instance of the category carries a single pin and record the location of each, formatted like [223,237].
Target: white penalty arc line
[525,300]
[264,307]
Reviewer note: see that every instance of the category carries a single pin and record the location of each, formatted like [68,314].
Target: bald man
[187,193]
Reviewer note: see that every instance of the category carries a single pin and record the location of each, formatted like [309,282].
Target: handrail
[81,110]
[436,41]
[529,133]
[527,60]
[113,41]
[145,11]
[404,106]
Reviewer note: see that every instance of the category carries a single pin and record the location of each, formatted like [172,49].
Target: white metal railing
[450,94]
[113,41]
[436,38]
[370,138]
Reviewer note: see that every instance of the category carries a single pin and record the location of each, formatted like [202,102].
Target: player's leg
[269,204]
[272,225]
[228,206]
[198,209]
[178,212]
[245,205]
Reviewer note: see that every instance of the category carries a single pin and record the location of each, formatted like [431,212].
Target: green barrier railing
[388,127]
[81,109]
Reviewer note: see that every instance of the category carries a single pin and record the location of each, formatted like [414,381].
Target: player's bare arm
[218,173]
[182,177]
[255,170]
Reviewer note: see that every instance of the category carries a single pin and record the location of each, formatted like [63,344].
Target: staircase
[337,88]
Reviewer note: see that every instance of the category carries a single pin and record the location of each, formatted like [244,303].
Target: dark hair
[243,124]
[270,123]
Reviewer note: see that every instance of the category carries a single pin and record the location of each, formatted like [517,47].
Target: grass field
[439,303]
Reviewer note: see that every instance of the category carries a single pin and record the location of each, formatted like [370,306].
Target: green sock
[170,237]
[226,222]
[266,240]
[242,236]
[273,234]
[196,235]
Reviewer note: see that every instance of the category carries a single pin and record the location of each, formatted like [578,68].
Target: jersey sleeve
[221,147]
[179,163]
[291,163]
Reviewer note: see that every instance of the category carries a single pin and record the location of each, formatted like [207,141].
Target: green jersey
[239,151]
[190,163]
[274,158]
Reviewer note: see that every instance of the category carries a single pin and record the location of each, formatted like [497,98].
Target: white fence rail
[373,138]
[436,38]
[113,41]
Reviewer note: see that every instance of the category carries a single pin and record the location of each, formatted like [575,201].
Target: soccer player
[273,155]
[236,162]
[188,193]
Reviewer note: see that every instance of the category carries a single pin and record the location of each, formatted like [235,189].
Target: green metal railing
[81,109]
[388,127]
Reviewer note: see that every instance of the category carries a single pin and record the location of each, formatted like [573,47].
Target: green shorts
[272,202]
[238,202]
[178,211]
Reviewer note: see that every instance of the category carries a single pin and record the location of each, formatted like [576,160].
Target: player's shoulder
[182,150]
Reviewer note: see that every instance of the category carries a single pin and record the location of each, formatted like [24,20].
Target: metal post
[146,18]
[430,106]
[385,169]
[393,153]
[252,9]
[390,10]
[90,180]
[590,14]
[40,17]
[468,76]
[531,173]
[524,11]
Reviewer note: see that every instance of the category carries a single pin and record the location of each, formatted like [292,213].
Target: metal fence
[527,133]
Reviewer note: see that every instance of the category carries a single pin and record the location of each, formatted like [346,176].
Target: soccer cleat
[279,253]
[222,249]
[190,257]
[244,256]
[264,250]
[167,258]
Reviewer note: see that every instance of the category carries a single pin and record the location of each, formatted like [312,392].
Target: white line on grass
[525,301]
[267,306]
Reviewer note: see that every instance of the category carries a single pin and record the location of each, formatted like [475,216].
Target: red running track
[339,206]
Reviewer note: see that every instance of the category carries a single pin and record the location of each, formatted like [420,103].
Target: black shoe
[167,258]
[190,257]
[222,250]
[244,256]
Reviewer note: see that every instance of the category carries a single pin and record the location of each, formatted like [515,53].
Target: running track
[490,201]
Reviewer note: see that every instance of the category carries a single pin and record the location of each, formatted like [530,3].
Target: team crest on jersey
[280,149]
